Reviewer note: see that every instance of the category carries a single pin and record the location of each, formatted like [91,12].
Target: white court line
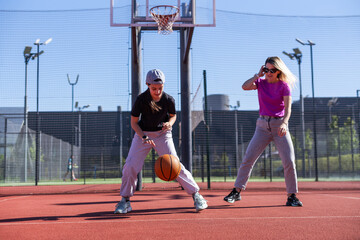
[352,198]
[333,195]
[12,198]
[176,219]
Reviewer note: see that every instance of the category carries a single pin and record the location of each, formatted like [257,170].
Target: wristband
[145,138]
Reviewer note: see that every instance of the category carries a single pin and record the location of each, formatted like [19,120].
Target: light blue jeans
[267,131]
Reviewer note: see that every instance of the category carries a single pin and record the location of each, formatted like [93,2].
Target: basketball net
[165,16]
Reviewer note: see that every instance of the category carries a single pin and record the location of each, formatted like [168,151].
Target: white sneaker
[123,206]
[199,202]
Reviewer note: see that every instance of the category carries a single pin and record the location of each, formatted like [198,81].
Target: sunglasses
[273,70]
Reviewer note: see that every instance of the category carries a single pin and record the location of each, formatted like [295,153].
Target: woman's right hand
[149,141]
[261,71]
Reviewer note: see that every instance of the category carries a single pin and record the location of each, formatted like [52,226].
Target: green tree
[334,134]
[309,141]
[32,150]
[342,135]
[220,163]
[1,167]
[297,146]
[348,136]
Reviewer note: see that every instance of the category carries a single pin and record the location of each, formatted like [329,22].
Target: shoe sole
[123,212]
[232,201]
[119,212]
[293,205]
[200,209]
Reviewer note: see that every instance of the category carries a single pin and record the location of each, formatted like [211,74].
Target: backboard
[136,13]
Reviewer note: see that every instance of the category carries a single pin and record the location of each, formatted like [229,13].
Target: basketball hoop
[165,16]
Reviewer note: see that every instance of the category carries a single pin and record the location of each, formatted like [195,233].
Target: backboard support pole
[186,138]
[136,77]
[189,34]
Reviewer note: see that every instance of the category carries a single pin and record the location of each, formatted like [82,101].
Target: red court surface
[330,211]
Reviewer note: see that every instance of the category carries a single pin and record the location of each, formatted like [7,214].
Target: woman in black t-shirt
[152,118]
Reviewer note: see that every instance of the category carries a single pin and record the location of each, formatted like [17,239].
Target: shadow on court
[331,210]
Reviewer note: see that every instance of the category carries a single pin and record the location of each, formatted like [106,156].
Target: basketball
[167,167]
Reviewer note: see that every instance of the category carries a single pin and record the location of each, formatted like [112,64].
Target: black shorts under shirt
[152,120]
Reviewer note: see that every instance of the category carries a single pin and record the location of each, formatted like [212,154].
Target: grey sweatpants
[266,131]
[136,157]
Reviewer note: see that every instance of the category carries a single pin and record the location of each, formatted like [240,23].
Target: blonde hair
[285,74]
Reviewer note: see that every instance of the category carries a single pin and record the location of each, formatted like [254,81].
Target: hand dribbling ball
[167,167]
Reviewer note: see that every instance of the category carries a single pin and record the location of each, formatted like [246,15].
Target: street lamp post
[207,128]
[27,56]
[236,133]
[331,103]
[119,110]
[358,107]
[79,130]
[72,118]
[352,136]
[37,136]
[298,56]
[311,44]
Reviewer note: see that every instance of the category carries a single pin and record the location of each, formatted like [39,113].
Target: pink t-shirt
[271,97]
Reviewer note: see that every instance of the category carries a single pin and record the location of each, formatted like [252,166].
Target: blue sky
[335,63]
[282,7]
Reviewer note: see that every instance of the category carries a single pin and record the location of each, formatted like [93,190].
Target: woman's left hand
[166,126]
[282,130]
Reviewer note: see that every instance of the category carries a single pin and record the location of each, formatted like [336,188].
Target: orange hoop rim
[164,6]
[164,19]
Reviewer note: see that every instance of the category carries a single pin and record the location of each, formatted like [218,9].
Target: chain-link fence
[18,153]
[100,149]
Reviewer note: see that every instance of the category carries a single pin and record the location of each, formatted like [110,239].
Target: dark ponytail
[154,107]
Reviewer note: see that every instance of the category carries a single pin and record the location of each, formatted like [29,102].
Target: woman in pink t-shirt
[272,125]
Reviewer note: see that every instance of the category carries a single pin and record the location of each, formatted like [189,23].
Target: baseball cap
[155,76]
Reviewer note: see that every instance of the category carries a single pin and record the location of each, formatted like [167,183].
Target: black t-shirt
[152,120]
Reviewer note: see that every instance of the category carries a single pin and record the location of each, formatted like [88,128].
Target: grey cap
[155,76]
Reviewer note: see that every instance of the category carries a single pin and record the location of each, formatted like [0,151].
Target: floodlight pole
[79,136]
[72,122]
[37,136]
[25,122]
[236,133]
[298,55]
[207,126]
[351,134]
[119,110]
[27,56]
[310,43]
[358,107]
[314,112]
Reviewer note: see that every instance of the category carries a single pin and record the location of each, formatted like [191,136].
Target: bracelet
[145,138]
